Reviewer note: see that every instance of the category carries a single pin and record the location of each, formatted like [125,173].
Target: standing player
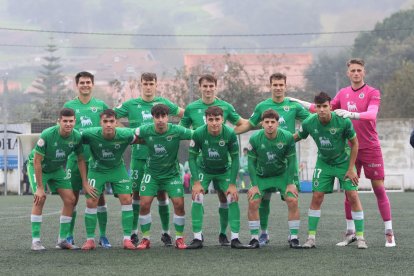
[87,110]
[107,144]
[138,112]
[289,112]
[194,117]
[272,166]
[331,134]
[360,102]
[45,166]
[162,172]
[216,142]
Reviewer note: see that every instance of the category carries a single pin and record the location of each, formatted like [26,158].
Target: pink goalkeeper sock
[347,206]
[384,205]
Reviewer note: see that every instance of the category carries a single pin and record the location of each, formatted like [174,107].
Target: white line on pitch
[28,216]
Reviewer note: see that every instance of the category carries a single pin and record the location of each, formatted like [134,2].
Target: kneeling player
[272,166]
[331,134]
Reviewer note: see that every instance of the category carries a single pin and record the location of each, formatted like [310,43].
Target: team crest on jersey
[332,131]
[286,108]
[70,144]
[40,142]
[192,143]
[169,138]
[100,145]
[316,183]
[213,153]
[94,109]
[222,143]
[262,146]
[361,96]
[60,153]
[314,131]
[117,146]
[55,144]
[282,120]
[279,145]
[205,142]
[139,106]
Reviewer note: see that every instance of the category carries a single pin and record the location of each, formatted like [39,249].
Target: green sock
[90,222]
[313,220]
[294,227]
[234,217]
[164,212]
[135,211]
[145,224]
[36,222]
[197,213]
[179,222]
[102,220]
[224,217]
[72,223]
[127,216]
[64,227]
[358,217]
[254,228]
[264,211]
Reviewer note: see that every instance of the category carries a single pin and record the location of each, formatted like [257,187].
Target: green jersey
[87,116]
[194,114]
[331,139]
[138,113]
[215,152]
[55,149]
[268,158]
[289,112]
[163,148]
[107,154]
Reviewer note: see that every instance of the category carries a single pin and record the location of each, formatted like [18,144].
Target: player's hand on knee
[196,189]
[291,188]
[232,191]
[39,196]
[88,189]
[252,192]
[353,176]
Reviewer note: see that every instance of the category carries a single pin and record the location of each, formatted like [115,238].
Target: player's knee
[69,200]
[199,198]
[291,201]
[254,204]
[352,196]
[230,199]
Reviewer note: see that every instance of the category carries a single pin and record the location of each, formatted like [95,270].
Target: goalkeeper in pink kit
[360,102]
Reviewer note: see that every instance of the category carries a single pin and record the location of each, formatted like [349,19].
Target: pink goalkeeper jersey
[359,101]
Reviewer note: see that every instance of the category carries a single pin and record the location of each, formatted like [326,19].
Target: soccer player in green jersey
[138,112]
[161,172]
[87,110]
[45,166]
[271,164]
[289,112]
[107,144]
[335,160]
[194,117]
[216,142]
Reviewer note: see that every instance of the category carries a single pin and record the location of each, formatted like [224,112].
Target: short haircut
[67,112]
[108,113]
[84,74]
[207,77]
[160,110]
[277,76]
[321,98]
[359,61]
[147,76]
[214,111]
[270,114]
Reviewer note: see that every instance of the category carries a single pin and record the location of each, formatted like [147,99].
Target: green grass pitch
[277,258]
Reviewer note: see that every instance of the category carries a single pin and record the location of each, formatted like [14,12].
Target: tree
[51,85]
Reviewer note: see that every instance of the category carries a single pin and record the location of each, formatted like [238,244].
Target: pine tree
[51,84]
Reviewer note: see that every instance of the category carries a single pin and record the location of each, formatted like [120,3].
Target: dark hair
[214,111]
[277,76]
[67,112]
[147,76]
[270,114]
[84,74]
[321,98]
[359,61]
[108,113]
[207,77]
[160,109]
